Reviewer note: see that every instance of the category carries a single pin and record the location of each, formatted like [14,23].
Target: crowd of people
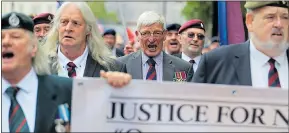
[42,55]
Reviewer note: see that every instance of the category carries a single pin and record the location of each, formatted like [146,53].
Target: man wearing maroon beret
[42,25]
[192,38]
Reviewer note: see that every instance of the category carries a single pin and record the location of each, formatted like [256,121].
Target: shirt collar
[158,59]
[187,58]
[78,61]
[24,84]
[262,58]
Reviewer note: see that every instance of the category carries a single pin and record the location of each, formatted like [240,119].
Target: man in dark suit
[151,63]
[192,39]
[109,37]
[76,47]
[260,62]
[30,96]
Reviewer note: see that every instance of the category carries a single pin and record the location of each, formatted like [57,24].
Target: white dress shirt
[260,68]
[196,59]
[114,51]
[80,63]
[159,66]
[26,97]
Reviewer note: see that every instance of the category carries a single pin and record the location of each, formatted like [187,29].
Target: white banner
[145,106]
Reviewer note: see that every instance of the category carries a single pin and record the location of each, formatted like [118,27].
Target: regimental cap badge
[202,25]
[49,18]
[14,20]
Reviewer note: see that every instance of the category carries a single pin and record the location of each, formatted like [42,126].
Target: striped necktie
[17,120]
[71,69]
[273,77]
[151,74]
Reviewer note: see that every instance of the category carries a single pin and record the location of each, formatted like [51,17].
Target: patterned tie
[273,78]
[17,120]
[192,68]
[151,74]
[71,69]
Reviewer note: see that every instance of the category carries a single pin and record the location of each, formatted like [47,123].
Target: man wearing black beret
[109,37]
[262,61]
[30,95]
[42,25]
[172,44]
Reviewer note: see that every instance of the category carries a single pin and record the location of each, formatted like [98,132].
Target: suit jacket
[226,65]
[178,55]
[92,68]
[171,65]
[52,92]
[118,52]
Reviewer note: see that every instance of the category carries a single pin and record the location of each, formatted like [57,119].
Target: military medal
[59,126]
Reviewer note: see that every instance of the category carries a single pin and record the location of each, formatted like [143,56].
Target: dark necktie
[17,120]
[151,74]
[192,68]
[273,77]
[71,69]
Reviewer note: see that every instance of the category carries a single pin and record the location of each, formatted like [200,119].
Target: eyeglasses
[199,35]
[155,34]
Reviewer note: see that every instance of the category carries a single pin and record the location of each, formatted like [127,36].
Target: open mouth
[173,43]
[277,34]
[152,47]
[7,55]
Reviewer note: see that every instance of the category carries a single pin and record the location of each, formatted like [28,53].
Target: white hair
[97,48]
[150,17]
[40,61]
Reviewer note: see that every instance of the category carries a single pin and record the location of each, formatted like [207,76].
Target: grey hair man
[151,62]
[75,45]
[260,62]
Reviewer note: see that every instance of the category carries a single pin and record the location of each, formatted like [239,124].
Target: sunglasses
[199,36]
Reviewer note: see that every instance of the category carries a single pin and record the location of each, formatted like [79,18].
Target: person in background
[109,37]
[215,43]
[172,44]
[42,25]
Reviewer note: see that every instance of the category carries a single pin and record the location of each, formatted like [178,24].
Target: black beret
[45,18]
[174,27]
[109,32]
[17,20]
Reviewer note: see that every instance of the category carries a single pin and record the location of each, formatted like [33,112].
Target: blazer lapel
[92,68]
[168,68]
[46,106]
[242,64]
[135,66]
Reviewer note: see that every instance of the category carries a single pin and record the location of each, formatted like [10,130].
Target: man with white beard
[262,61]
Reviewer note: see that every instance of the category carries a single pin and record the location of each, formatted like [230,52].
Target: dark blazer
[92,68]
[178,55]
[52,92]
[226,65]
[171,65]
[118,52]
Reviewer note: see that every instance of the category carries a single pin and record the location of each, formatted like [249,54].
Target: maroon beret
[194,23]
[43,18]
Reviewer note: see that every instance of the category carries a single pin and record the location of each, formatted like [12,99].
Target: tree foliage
[199,10]
[100,12]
